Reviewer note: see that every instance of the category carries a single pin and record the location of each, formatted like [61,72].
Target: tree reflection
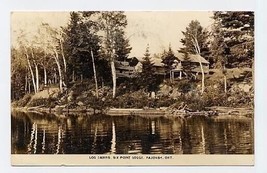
[101,134]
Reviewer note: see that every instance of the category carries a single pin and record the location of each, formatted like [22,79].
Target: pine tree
[74,60]
[238,34]
[168,59]
[81,43]
[219,50]
[195,32]
[233,44]
[218,47]
[19,76]
[148,79]
[111,23]
[195,42]
[122,46]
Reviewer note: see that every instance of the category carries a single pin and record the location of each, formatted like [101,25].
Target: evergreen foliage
[195,31]
[147,76]
[168,59]
[81,37]
[122,48]
[237,31]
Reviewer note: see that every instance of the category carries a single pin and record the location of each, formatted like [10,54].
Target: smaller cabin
[179,65]
[128,68]
[158,66]
[193,61]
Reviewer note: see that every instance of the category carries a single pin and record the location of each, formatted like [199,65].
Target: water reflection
[99,134]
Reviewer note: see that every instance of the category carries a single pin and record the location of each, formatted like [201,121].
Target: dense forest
[76,65]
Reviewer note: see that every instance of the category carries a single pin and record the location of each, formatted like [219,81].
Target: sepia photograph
[132,86]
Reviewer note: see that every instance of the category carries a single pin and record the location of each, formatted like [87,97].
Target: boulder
[175,94]
[70,96]
[80,103]
[244,87]
[165,90]
[153,95]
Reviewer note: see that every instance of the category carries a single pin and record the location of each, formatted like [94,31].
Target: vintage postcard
[132,88]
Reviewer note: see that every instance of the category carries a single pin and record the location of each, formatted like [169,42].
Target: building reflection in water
[101,134]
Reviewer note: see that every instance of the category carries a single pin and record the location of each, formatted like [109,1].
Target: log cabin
[129,68]
[193,62]
[179,65]
[132,66]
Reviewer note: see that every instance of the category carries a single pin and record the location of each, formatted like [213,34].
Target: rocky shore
[212,112]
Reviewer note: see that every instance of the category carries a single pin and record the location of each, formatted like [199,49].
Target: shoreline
[212,112]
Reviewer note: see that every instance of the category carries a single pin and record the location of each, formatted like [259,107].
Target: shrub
[185,85]
[23,101]
[137,99]
[37,102]
[163,102]
[46,102]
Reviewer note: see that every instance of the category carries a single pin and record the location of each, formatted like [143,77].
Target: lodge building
[133,66]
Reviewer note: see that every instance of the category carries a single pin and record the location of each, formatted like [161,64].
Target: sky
[159,29]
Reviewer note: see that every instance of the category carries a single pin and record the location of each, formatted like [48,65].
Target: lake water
[34,133]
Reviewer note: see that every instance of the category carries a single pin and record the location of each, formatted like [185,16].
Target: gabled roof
[121,63]
[192,57]
[124,65]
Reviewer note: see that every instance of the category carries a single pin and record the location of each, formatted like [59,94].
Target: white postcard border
[59,5]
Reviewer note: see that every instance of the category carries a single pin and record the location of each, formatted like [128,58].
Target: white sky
[158,29]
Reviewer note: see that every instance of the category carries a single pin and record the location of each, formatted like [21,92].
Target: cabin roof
[124,65]
[192,57]
[158,61]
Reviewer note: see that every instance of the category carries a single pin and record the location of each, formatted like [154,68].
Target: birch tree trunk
[36,72]
[197,49]
[55,78]
[30,68]
[111,52]
[202,77]
[113,72]
[29,86]
[36,76]
[225,84]
[224,79]
[73,76]
[96,84]
[45,77]
[59,71]
[26,83]
[63,56]
[64,63]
